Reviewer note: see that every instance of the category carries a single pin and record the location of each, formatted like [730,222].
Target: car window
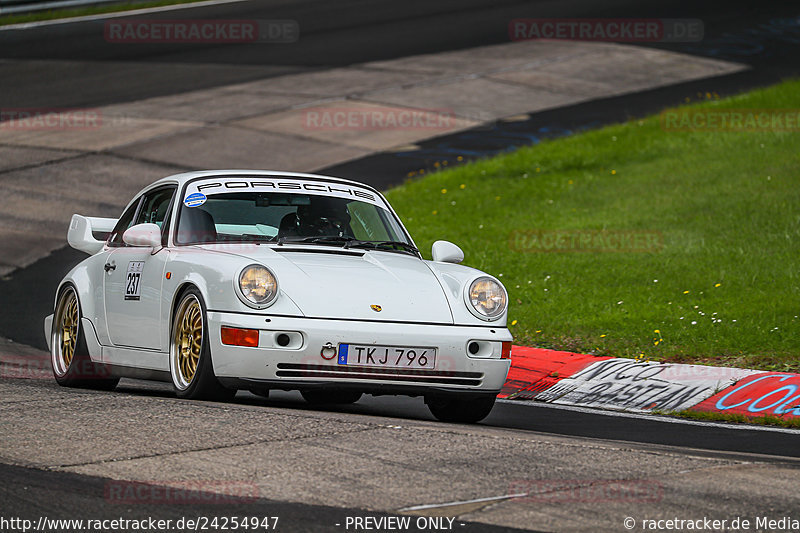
[155,207]
[264,216]
[367,223]
[124,222]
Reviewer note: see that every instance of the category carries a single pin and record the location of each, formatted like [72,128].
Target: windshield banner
[197,191]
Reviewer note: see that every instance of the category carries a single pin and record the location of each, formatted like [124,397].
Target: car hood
[364,285]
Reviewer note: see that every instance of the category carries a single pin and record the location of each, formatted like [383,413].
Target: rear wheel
[330,397]
[189,354]
[463,410]
[69,356]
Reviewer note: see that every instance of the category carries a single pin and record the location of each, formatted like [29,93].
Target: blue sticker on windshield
[195,199]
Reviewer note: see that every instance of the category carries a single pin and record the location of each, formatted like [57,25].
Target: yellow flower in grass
[513,322]
[657,341]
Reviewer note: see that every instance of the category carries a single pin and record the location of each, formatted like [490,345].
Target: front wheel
[189,353]
[463,410]
[69,356]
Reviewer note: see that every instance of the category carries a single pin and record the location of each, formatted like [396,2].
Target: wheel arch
[62,287]
[180,290]
[90,302]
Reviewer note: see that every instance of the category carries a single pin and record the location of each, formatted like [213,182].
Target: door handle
[109,266]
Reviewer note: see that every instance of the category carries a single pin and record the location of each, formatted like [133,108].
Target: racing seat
[196,226]
[288,225]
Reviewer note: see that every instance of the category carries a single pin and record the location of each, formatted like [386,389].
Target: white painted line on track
[463,502]
[652,418]
[116,14]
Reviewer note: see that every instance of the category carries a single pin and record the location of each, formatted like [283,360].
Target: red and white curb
[625,384]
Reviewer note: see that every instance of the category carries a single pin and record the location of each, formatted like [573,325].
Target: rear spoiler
[84,233]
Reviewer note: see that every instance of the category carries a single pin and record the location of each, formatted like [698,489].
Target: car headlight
[258,286]
[487,297]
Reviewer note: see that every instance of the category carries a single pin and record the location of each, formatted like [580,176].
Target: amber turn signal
[239,337]
[505,353]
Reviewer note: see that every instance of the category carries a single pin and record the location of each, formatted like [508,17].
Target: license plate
[387,356]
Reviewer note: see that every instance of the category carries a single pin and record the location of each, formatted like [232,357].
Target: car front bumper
[301,365]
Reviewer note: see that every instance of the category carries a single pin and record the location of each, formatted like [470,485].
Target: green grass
[737,418]
[726,204]
[84,11]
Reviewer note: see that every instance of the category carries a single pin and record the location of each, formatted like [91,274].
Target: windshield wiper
[404,246]
[324,239]
[249,237]
[350,242]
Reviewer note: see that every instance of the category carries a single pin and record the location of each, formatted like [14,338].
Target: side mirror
[447,252]
[147,234]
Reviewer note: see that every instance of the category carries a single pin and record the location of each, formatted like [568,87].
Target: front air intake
[299,370]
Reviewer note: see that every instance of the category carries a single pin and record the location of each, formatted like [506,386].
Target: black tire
[69,355]
[330,397]
[190,363]
[467,410]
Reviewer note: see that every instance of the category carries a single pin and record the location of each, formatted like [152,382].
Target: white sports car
[257,280]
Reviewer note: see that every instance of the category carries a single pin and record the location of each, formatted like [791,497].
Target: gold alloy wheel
[68,328]
[188,340]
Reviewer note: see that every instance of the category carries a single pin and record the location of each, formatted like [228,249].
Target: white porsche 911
[239,279]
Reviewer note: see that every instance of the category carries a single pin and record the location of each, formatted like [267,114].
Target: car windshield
[285,217]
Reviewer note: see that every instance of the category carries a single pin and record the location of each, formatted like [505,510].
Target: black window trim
[139,203]
[122,244]
[167,219]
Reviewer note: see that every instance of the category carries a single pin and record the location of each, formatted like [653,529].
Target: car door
[133,279]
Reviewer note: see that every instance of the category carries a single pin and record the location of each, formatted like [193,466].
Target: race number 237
[133,280]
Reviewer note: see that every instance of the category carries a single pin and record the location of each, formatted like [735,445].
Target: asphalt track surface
[335,34]
[59,494]
[72,64]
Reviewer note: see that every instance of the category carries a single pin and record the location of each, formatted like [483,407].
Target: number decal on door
[133,280]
